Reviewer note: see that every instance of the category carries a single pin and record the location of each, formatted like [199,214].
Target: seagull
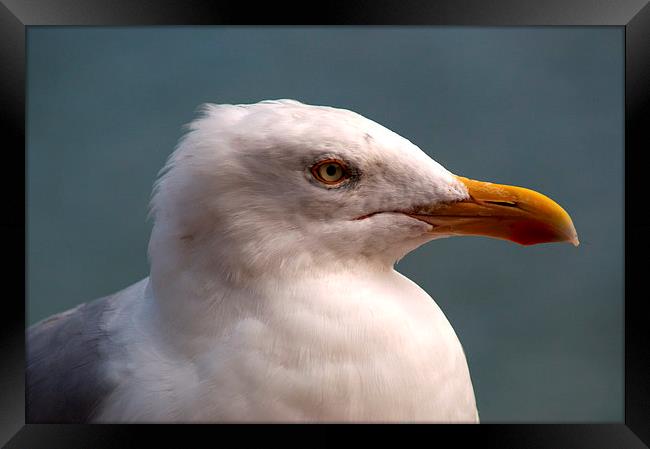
[272,294]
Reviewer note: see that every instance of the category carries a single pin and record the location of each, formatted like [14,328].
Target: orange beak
[503,212]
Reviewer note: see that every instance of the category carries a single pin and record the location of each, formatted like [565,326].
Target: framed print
[329,128]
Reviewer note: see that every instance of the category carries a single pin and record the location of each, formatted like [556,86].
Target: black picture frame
[16,16]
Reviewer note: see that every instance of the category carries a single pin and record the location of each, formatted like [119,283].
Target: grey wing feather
[65,379]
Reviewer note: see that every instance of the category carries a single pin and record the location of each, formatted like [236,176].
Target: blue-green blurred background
[542,326]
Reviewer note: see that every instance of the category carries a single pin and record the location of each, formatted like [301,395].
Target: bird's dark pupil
[331,170]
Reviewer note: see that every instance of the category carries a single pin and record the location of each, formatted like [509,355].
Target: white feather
[267,300]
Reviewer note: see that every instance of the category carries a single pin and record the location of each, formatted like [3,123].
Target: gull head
[281,187]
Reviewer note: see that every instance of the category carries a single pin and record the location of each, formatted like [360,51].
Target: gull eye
[330,171]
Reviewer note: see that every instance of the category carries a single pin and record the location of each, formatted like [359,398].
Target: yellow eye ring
[330,171]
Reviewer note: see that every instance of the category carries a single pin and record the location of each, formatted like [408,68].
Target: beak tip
[571,235]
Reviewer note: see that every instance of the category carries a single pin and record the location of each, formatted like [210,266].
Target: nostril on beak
[502,203]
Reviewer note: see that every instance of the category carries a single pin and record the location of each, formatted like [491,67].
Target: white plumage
[272,295]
